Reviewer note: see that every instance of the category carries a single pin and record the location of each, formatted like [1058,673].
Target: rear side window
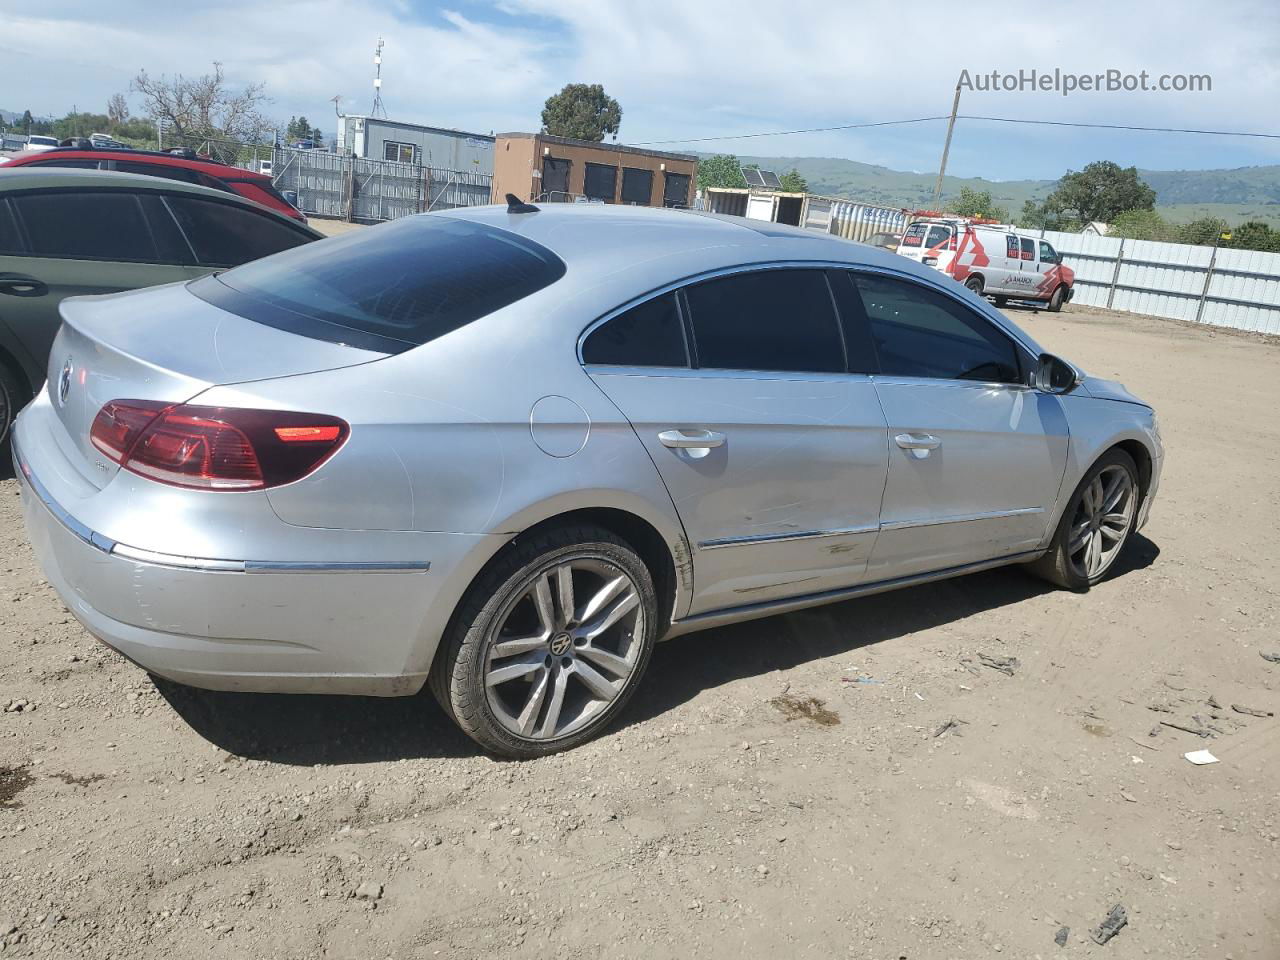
[648,335]
[80,225]
[76,164]
[920,333]
[227,234]
[1028,248]
[181,174]
[770,320]
[390,287]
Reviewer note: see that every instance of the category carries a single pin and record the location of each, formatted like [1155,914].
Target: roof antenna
[516,205]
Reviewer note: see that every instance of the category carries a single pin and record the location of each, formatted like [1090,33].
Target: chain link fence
[360,189]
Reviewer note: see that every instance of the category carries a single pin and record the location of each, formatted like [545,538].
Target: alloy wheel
[565,648]
[1102,520]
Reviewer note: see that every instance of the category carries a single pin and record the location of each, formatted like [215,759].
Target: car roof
[15,179]
[595,234]
[213,168]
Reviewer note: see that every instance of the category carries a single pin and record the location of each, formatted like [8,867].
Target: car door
[77,242]
[975,456]
[1029,271]
[773,453]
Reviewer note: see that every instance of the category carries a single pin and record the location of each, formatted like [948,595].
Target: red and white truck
[991,259]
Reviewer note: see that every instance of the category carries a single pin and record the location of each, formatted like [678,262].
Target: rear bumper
[269,625]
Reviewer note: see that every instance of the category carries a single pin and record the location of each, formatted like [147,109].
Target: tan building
[543,168]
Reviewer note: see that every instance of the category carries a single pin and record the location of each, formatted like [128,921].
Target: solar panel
[754,176]
[770,180]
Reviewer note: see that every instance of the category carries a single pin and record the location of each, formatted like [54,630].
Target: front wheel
[1056,301]
[10,403]
[549,643]
[1096,526]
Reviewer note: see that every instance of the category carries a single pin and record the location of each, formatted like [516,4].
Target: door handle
[691,439]
[16,285]
[918,443]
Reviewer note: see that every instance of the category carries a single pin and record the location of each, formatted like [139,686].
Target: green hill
[1245,193]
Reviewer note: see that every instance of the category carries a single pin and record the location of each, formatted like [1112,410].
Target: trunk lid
[164,344]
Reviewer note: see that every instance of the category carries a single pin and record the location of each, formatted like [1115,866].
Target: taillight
[215,448]
[954,242]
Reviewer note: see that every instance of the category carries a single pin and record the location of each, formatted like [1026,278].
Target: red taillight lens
[119,424]
[216,448]
[954,242]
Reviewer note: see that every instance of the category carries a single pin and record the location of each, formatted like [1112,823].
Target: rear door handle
[17,285]
[918,443]
[691,439]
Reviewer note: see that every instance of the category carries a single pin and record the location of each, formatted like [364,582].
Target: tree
[299,128]
[1140,225]
[317,137]
[196,108]
[977,203]
[27,121]
[1099,192]
[1254,235]
[1203,231]
[721,170]
[79,125]
[117,110]
[792,182]
[582,112]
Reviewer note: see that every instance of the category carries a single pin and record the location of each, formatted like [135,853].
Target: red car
[185,166]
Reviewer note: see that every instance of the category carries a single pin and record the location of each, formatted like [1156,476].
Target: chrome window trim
[782,537]
[1018,336]
[205,564]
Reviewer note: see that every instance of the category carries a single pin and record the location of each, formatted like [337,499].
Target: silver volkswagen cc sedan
[504,450]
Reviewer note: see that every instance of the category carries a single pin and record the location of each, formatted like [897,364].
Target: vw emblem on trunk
[64,381]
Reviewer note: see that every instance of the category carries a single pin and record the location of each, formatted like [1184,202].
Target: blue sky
[698,68]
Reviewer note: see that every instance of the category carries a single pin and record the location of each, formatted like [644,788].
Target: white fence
[1225,288]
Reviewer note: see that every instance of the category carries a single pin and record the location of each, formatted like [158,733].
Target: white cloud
[680,68]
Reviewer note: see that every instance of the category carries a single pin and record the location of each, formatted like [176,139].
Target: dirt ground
[775,789]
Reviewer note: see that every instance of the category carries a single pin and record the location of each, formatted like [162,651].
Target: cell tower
[378,109]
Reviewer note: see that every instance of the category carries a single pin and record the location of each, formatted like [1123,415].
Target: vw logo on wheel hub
[560,643]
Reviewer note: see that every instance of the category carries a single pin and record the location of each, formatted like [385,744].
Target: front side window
[227,235]
[648,335]
[389,288]
[600,182]
[768,320]
[76,164]
[1047,253]
[921,333]
[10,241]
[80,225]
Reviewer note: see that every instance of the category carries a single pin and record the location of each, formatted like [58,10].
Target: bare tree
[202,107]
[117,109]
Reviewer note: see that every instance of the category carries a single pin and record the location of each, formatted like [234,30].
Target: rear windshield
[387,288]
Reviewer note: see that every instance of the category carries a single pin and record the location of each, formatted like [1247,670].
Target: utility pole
[946,146]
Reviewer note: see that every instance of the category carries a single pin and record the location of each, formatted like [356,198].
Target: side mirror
[1055,375]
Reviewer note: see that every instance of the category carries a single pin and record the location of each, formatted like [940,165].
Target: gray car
[505,450]
[66,232]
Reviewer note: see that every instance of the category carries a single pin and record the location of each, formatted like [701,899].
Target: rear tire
[549,643]
[1096,526]
[1056,301]
[975,284]
[1001,301]
[12,397]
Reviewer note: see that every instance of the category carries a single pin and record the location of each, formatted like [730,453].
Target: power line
[1124,126]
[787,133]
[893,123]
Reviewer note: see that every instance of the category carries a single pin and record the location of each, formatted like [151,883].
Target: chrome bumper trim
[205,564]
